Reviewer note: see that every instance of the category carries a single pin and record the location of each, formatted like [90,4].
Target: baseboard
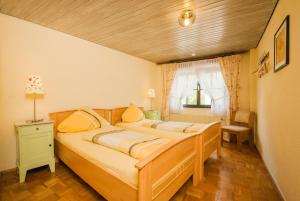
[8,171]
[274,182]
[15,169]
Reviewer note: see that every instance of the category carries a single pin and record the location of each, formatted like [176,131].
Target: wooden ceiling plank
[222,18]
[152,25]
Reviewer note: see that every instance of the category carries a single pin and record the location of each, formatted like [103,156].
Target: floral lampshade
[151,93]
[34,85]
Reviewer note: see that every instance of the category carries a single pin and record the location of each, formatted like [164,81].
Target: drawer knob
[50,145]
[37,128]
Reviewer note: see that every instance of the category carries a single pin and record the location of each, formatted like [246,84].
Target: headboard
[58,117]
[116,114]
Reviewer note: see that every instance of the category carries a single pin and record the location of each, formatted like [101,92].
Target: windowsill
[196,106]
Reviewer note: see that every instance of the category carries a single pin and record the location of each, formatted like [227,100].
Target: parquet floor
[238,176]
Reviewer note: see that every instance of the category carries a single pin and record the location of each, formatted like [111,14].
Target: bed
[209,134]
[150,178]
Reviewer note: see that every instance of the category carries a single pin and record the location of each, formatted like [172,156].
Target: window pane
[205,99]
[192,100]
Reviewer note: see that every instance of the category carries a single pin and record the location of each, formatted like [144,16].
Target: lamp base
[34,121]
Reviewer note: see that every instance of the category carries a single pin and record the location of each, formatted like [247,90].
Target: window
[198,84]
[199,99]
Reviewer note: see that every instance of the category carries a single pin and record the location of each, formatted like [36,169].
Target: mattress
[114,162]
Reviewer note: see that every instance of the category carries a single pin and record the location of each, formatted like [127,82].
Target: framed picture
[281,45]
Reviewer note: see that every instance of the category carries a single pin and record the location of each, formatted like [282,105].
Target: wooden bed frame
[160,175]
[210,139]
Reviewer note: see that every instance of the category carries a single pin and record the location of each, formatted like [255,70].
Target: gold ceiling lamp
[186,18]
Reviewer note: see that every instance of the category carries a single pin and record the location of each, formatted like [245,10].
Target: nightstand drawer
[41,128]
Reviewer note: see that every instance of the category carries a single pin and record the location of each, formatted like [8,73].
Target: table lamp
[151,95]
[34,89]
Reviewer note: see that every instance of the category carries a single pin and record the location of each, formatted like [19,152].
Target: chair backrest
[243,118]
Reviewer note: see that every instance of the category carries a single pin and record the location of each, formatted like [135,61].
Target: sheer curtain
[183,85]
[208,74]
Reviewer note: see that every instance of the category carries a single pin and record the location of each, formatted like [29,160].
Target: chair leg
[251,138]
[239,142]
[219,146]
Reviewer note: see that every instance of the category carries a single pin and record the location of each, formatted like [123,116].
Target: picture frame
[282,45]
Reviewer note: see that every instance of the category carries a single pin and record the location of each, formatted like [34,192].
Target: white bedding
[169,129]
[115,162]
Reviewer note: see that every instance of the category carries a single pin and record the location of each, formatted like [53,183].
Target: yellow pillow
[132,114]
[79,121]
[103,122]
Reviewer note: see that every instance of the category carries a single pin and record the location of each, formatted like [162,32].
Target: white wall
[75,72]
[278,105]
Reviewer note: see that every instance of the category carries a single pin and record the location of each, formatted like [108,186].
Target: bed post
[199,163]
[201,157]
[219,142]
[145,184]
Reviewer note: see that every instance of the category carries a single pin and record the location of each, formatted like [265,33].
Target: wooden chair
[241,125]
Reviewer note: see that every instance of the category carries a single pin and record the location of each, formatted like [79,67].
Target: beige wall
[204,115]
[75,73]
[196,115]
[252,79]
[278,106]
[244,93]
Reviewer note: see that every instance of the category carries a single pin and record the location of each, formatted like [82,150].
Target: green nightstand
[34,146]
[152,114]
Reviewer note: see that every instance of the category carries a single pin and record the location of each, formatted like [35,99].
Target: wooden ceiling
[149,28]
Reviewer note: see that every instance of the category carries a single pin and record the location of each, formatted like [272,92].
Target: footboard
[165,171]
[107,184]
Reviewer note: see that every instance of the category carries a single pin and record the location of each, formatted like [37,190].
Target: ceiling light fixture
[186,18]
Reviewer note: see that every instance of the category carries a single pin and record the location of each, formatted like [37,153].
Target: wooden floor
[238,176]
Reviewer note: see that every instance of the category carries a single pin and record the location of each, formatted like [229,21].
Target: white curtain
[184,82]
[208,74]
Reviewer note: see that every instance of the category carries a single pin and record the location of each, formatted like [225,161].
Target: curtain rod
[202,58]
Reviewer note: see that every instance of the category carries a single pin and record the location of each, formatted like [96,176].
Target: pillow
[132,114]
[79,121]
[103,122]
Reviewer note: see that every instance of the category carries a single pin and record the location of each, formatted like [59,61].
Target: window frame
[199,105]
